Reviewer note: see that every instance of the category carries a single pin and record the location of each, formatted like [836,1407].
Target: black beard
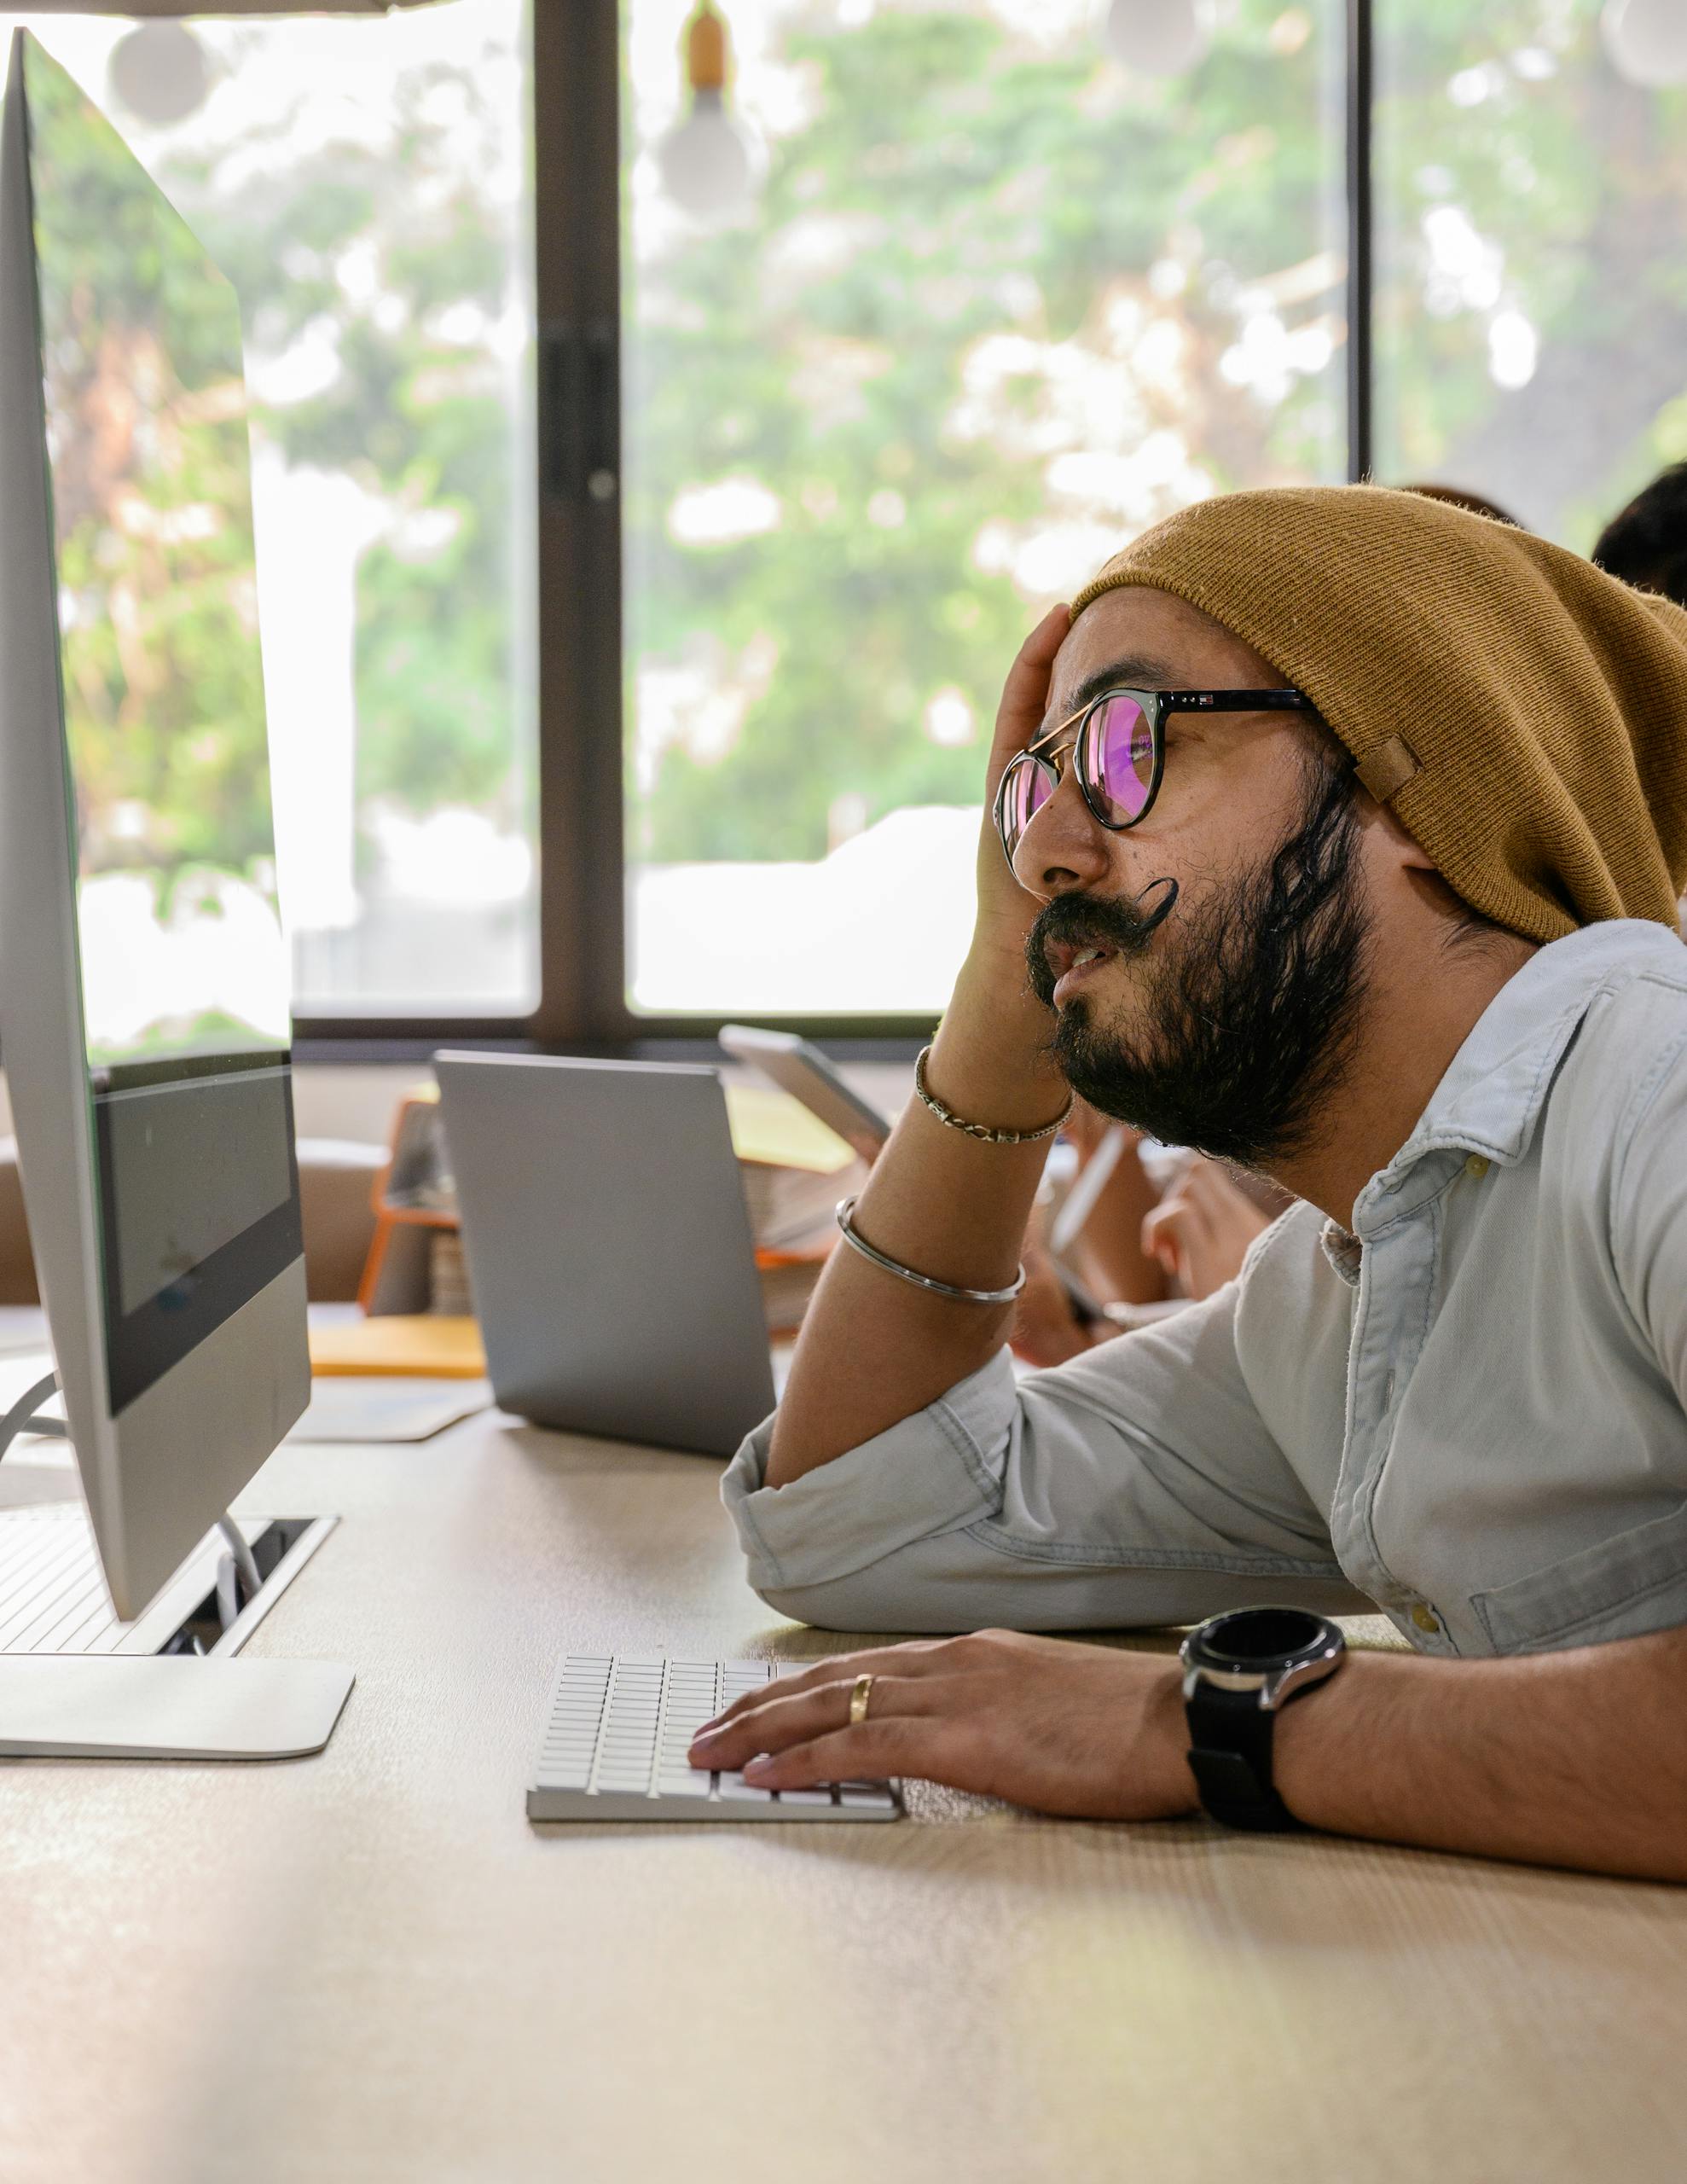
[1250,1012]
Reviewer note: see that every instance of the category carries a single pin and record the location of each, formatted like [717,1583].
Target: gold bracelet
[982,1131]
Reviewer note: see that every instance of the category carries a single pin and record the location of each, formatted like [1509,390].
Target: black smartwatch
[1238,1670]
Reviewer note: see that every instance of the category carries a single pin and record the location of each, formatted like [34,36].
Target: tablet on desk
[799,1067]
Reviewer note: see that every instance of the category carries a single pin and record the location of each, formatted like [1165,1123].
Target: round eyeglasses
[1118,754]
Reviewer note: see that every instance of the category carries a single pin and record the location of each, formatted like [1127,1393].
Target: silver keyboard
[616,1736]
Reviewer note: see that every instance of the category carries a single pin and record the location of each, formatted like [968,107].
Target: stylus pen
[1081,1200]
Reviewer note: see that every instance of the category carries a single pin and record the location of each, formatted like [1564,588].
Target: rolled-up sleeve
[1136,1485]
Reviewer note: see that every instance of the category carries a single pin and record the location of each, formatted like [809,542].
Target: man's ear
[1401,846]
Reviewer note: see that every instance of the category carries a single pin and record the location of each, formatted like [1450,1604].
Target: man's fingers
[1024,694]
[907,1660]
[1160,1229]
[932,1747]
[780,1721]
[1027,679]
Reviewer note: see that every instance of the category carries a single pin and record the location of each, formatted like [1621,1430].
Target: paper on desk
[387,1407]
[772,1129]
[432,1345]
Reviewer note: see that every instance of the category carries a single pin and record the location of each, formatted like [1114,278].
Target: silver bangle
[859,1243]
[982,1131]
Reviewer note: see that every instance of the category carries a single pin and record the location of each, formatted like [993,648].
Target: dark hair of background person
[1646,542]
[1472,503]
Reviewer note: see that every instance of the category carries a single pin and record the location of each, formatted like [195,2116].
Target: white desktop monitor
[144,1024]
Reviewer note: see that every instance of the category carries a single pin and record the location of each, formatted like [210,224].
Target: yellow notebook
[769,1128]
[434,1344]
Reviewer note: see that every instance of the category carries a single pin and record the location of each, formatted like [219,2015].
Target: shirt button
[1426,1618]
[1476,1166]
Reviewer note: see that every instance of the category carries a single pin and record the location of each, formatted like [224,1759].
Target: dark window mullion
[577,185]
[1360,236]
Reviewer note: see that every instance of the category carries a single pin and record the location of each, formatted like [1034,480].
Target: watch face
[1262,1637]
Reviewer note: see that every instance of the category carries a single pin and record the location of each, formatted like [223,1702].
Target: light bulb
[1647,40]
[703,162]
[1160,38]
[160,74]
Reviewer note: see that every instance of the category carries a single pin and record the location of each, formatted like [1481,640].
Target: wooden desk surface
[368,1966]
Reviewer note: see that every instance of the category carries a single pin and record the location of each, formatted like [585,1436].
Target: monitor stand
[179,1705]
[166,1706]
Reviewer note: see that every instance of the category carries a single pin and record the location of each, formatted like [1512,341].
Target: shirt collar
[1496,1087]
[1343,1250]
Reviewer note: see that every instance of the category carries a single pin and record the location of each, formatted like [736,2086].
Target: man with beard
[1345,831]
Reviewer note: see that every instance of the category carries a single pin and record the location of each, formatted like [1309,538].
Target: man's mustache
[1124,924]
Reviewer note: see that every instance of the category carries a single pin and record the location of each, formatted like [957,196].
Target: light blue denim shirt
[1469,1412]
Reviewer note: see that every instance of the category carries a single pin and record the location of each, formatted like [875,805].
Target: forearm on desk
[874,1348]
[1575,1759]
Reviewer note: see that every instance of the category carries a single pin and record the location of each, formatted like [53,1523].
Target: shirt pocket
[1625,1586]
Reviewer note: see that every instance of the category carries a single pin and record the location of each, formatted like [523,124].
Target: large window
[1530,305]
[650,684]
[996,301]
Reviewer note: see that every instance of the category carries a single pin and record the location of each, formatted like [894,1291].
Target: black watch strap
[1230,1739]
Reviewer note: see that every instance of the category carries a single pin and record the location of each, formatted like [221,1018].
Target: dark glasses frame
[1154,706]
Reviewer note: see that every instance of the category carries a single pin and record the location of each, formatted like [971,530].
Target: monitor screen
[146,409]
[184,968]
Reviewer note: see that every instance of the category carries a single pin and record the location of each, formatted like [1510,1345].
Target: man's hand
[1046,1330]
[1577,1758]
[874,1349]
[1083,1731]
[1005,911]
[1201,1229]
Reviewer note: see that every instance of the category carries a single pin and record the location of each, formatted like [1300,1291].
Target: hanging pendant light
[1647,40]
[158,72]
[1159,37]
[704,161]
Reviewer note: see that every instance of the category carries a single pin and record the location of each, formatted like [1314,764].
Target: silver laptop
[609,1246]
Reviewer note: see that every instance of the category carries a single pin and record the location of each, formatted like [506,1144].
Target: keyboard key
[734,1785]
[686,1782]
[866,1796]
[803,1797]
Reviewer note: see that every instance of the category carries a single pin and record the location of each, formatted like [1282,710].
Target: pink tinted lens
[1028,790]
[1119,759]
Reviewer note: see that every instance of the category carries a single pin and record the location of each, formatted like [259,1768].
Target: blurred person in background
[1646,542]
[1646,545]
[1167,1228]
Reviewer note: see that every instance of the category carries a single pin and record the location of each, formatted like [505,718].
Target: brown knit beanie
[1522,713]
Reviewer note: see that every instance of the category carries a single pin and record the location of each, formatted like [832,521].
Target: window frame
[577,212]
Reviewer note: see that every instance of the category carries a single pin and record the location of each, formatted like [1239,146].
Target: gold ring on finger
[858,1701]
